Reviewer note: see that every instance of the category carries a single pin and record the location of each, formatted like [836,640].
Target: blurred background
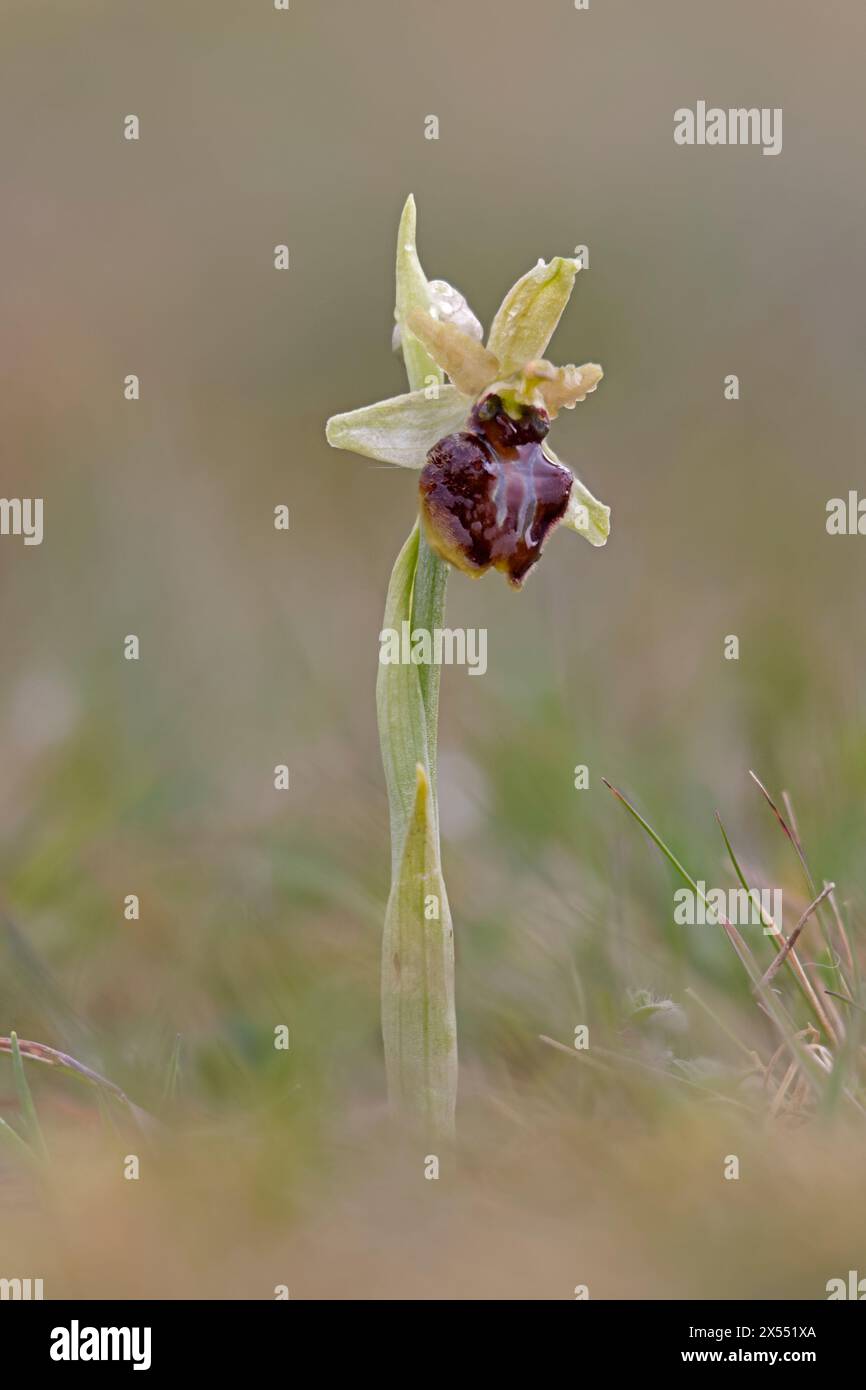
[259,647]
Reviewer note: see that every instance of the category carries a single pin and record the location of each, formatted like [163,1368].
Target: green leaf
[529,313]
[400,430]
[418,1018]
[428,612]
[413,292]
[399,704]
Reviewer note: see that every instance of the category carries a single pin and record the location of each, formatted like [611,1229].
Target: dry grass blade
[806,986]
[781,819]
[50,1057]
[836,1028]
[779,1097]
[791,942]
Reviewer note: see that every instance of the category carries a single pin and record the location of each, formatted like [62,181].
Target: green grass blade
[172,1079]
[656,839]
[13,1138]
[25,1100]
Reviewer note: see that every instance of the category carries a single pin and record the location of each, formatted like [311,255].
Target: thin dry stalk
[791,942]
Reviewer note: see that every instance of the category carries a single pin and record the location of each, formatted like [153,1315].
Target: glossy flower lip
[489,494]
[418,429]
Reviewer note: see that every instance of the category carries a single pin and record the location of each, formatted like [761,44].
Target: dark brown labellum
[489,496]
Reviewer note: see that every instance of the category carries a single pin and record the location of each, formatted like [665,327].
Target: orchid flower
[491,487]
[490,493]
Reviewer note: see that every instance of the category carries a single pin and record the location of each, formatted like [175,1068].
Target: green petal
[585,514]
[400,430]
[413,292]
[529,313]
